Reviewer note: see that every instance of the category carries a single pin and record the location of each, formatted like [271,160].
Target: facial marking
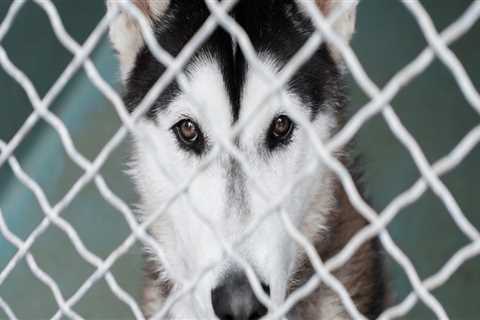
[236,192]
[274,148]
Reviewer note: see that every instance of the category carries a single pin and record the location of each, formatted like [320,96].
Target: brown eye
[281,127]
[280,132]
[189,136]
[188,131]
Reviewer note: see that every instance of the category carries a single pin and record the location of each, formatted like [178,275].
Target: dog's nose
[234,299]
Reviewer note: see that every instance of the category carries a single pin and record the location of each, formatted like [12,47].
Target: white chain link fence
[379,103]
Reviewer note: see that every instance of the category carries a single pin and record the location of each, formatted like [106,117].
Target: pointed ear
[345,24]
[125,33]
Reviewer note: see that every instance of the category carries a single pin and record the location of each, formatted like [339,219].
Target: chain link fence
[438,46]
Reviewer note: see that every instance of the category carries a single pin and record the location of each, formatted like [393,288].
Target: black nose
[234,299]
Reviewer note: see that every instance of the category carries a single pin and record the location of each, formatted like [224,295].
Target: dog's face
[184,133]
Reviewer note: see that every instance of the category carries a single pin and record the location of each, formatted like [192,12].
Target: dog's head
[227,90]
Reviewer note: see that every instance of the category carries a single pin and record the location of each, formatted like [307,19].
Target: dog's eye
[189,135]
[188,131]
[280,131]
[281,127]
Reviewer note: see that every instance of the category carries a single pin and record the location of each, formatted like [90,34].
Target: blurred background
[388,37]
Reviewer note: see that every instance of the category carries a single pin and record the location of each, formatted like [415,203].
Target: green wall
[431,107]
[91,121]
[434,110]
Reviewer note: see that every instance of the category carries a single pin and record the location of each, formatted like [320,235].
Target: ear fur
[127,39]
[125,33]
[344,25]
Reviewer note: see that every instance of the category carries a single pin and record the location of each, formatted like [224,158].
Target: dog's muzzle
[234,299]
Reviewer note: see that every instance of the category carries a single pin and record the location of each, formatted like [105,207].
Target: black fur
[275,27]
[379,300]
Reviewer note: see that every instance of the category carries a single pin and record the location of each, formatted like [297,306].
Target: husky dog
[275,148]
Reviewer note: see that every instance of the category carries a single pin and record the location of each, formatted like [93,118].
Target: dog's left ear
[344,26]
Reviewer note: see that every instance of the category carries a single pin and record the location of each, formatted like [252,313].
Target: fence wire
[379,103]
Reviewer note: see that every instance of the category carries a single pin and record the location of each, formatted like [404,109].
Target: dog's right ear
[125,33]
[345,24]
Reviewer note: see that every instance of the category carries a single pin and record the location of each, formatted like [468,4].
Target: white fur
[344,26]
[126,36]
[127,39]
[187,241]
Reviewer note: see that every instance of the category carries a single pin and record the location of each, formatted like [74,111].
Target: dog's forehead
[211,94]
[276,29]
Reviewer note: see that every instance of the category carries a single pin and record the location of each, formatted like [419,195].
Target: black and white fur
[229,90]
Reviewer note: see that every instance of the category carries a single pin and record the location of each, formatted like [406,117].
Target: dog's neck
[362,275]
